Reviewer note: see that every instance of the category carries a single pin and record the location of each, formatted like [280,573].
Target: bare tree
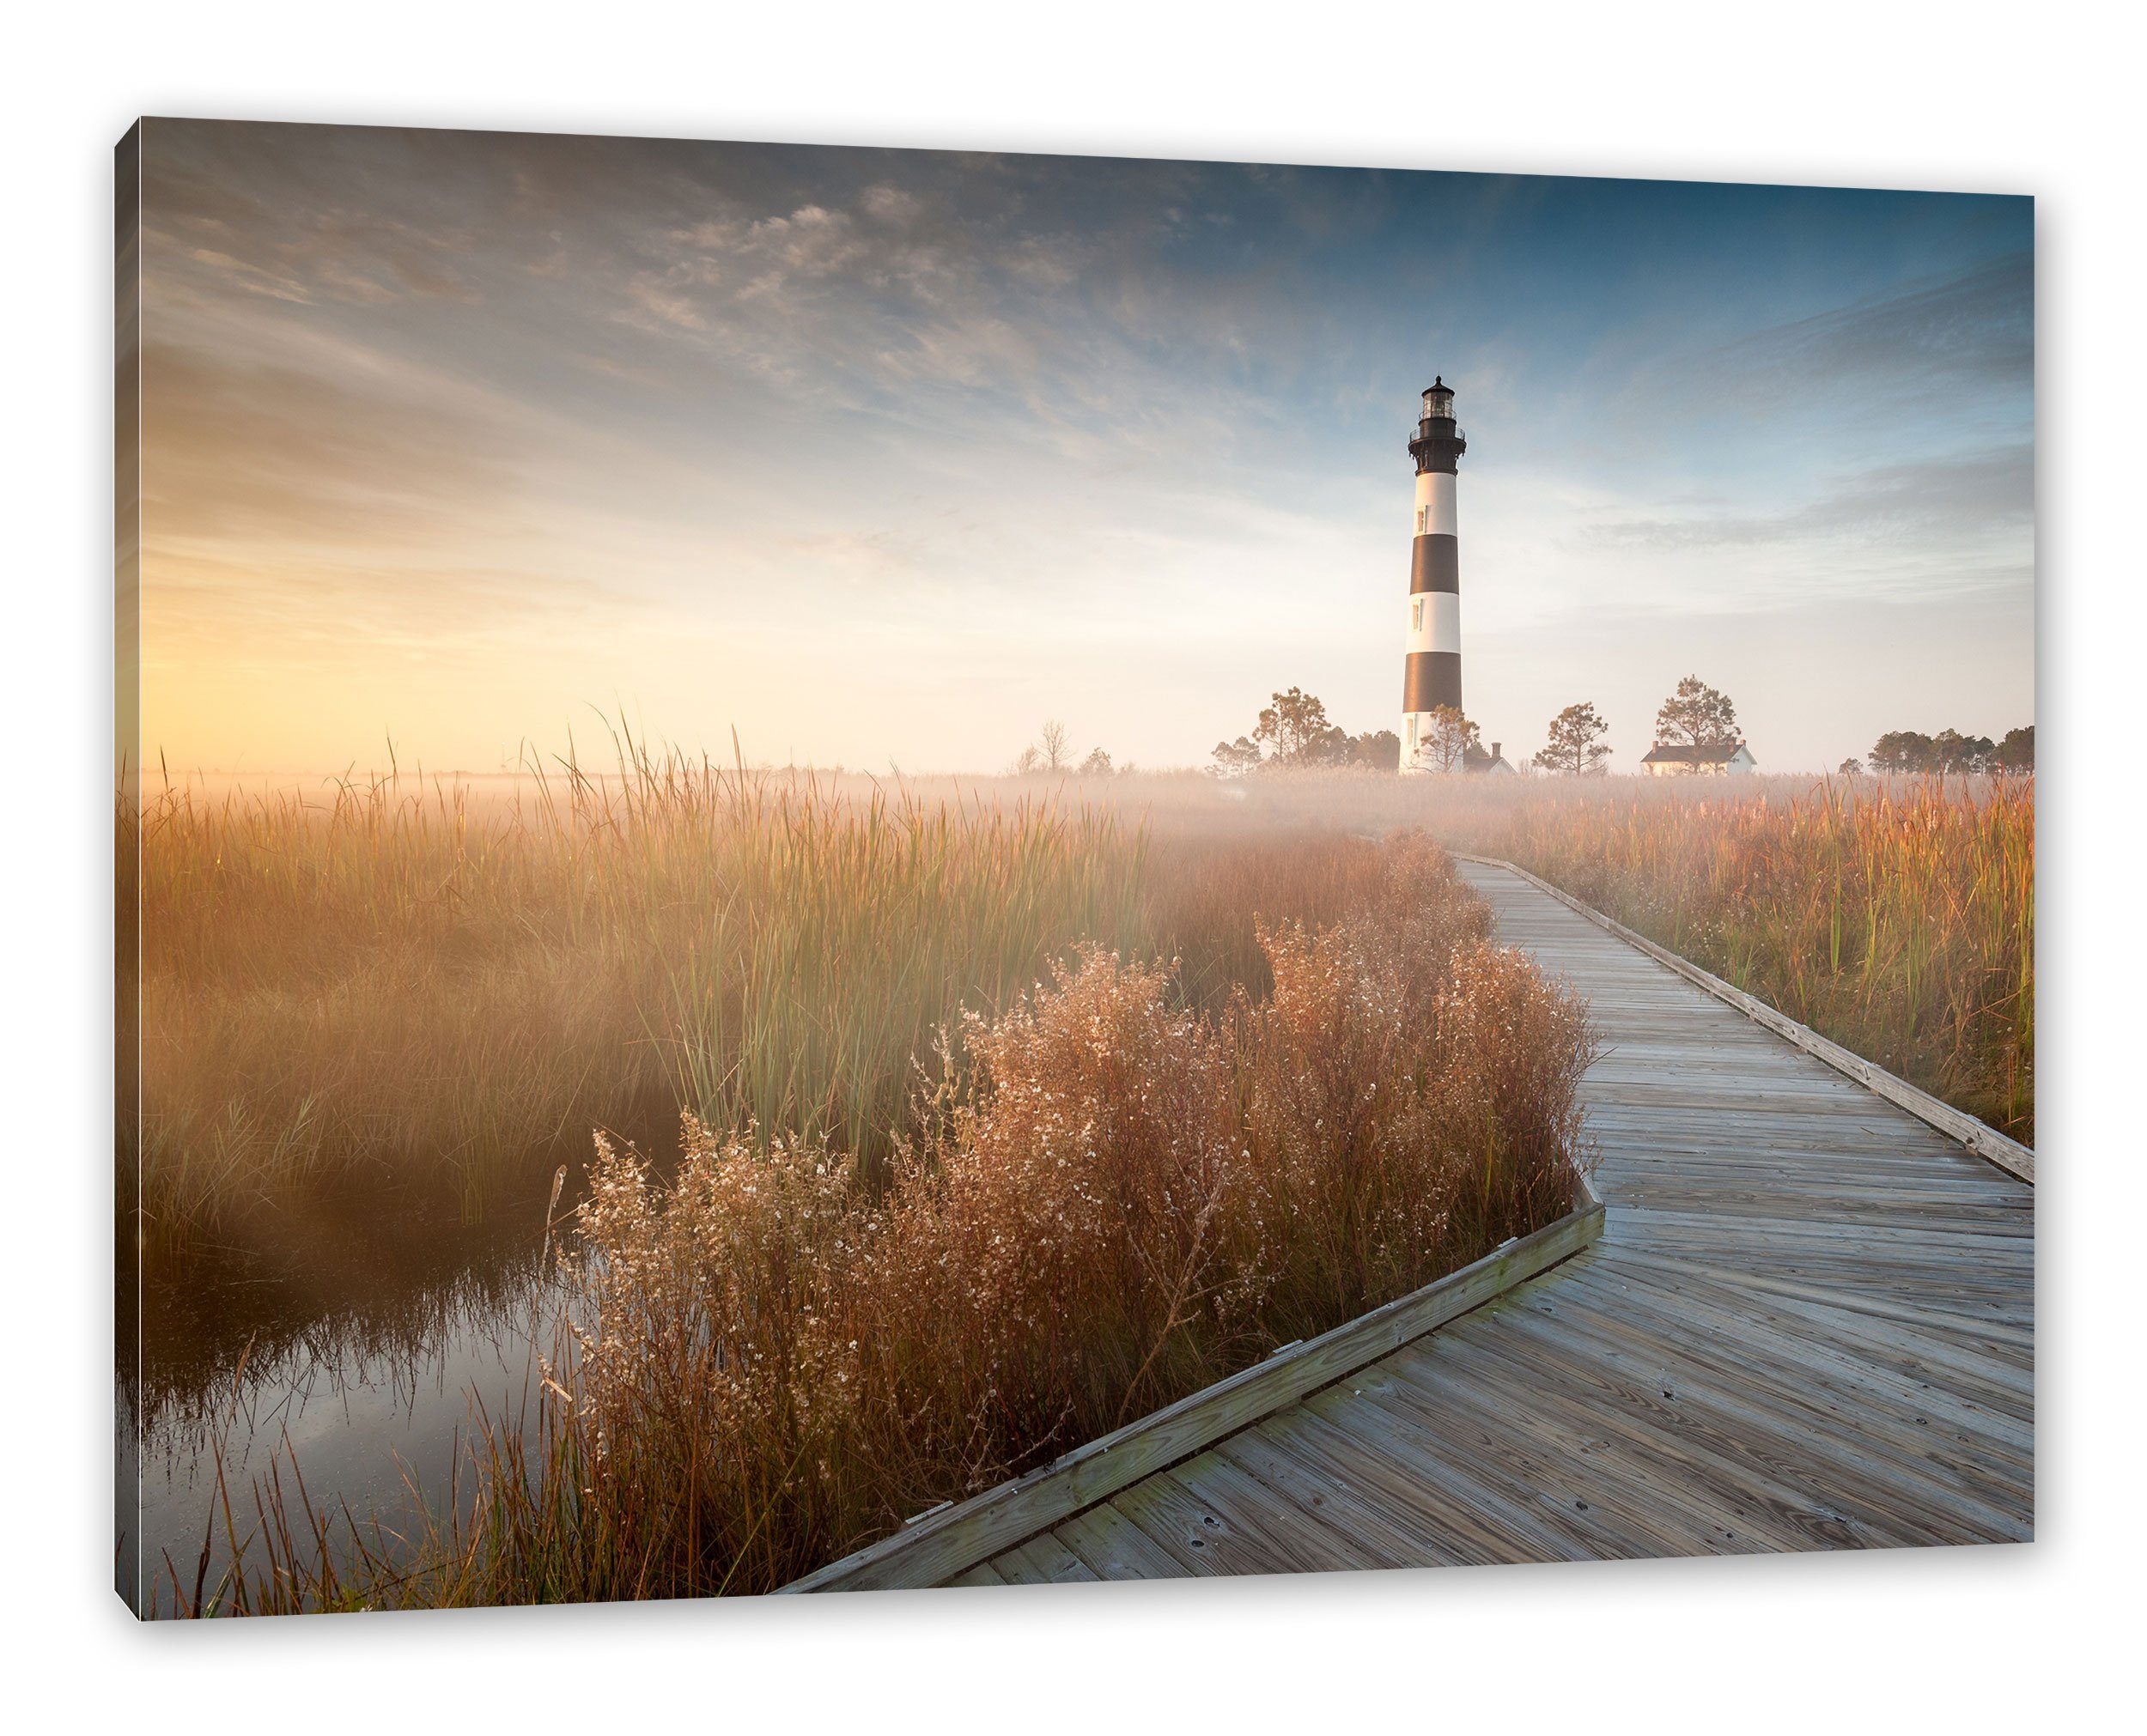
[1052,739]
[1096,765]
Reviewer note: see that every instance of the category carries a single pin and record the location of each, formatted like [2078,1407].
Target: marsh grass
[1316,1092]
[1896,916]
[1112,1195]
[410,996]
[405,986]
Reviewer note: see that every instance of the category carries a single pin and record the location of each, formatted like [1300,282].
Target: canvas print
[846,869]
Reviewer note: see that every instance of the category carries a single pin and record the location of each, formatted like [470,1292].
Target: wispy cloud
[1962,342]
[1943,501]
[562,407]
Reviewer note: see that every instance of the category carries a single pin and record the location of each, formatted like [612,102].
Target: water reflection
[363,1373]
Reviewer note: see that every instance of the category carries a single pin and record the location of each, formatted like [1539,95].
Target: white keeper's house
[1717,760]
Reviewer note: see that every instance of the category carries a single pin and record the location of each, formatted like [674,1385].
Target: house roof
[1718,753]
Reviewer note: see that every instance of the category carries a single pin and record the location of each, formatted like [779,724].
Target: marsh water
[362,1362]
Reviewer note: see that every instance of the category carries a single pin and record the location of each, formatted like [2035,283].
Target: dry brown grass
[408,987]
[1896,916]
[1111,1196]
[420,997]
[1115,1199]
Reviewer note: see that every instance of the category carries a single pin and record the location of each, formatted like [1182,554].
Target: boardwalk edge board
[1978,1137]
[948,1541]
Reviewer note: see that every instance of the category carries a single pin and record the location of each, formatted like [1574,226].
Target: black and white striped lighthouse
[1432,674]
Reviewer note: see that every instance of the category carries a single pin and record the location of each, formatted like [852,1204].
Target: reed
[405,984]
[408,985]
[1112,1194]
[1896,916]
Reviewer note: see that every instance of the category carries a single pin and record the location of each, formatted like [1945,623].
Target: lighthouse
[1431,671]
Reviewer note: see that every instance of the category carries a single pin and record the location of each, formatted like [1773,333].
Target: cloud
[1964,341]
[1946,498]
[262,449]
[412,385]
[255,280]
[656,306]
[891,206]
[352,287]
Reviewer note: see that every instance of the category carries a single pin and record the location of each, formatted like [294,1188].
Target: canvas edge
[126,486]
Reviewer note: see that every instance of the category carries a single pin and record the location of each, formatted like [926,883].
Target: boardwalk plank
[1808,1324]
[1745,1504]
[1874,1465]
[1043,1560]
[983,1573]
[1462,1458]
[1111,1546]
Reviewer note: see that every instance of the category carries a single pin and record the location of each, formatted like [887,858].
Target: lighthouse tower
[1432,674]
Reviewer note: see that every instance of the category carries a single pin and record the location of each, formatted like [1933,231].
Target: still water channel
[363,1361]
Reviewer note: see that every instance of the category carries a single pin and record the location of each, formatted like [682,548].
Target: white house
[1476,760]
[1721,759]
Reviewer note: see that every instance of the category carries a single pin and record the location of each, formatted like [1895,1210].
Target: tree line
[1293,732]
[1950,753]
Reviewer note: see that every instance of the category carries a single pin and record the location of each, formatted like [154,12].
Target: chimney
[1495,749]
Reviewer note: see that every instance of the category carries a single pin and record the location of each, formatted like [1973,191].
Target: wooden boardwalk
[1808,1324]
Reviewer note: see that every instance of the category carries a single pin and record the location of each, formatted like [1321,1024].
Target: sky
[472,442]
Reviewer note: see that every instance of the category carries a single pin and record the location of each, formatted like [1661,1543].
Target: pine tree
[1577,747]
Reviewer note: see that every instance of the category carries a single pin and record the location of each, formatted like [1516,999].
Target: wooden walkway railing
[1802,1317]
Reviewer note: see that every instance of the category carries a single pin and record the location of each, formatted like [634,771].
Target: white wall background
[1972,96]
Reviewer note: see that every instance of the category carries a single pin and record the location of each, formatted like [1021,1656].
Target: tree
[1444,743]
[1026,761]
[1697,716]
[1957,754]
[1295,727]
[1575,746]
[2016,753]
[1296,730]
[1096,765]
[1851,767]
[1903,750]
[1950,754]
[1052,739]
[1377,750]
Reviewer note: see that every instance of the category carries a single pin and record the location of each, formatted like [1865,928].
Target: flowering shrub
[1113,1199]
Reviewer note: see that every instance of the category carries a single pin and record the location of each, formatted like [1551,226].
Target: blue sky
[888,456]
